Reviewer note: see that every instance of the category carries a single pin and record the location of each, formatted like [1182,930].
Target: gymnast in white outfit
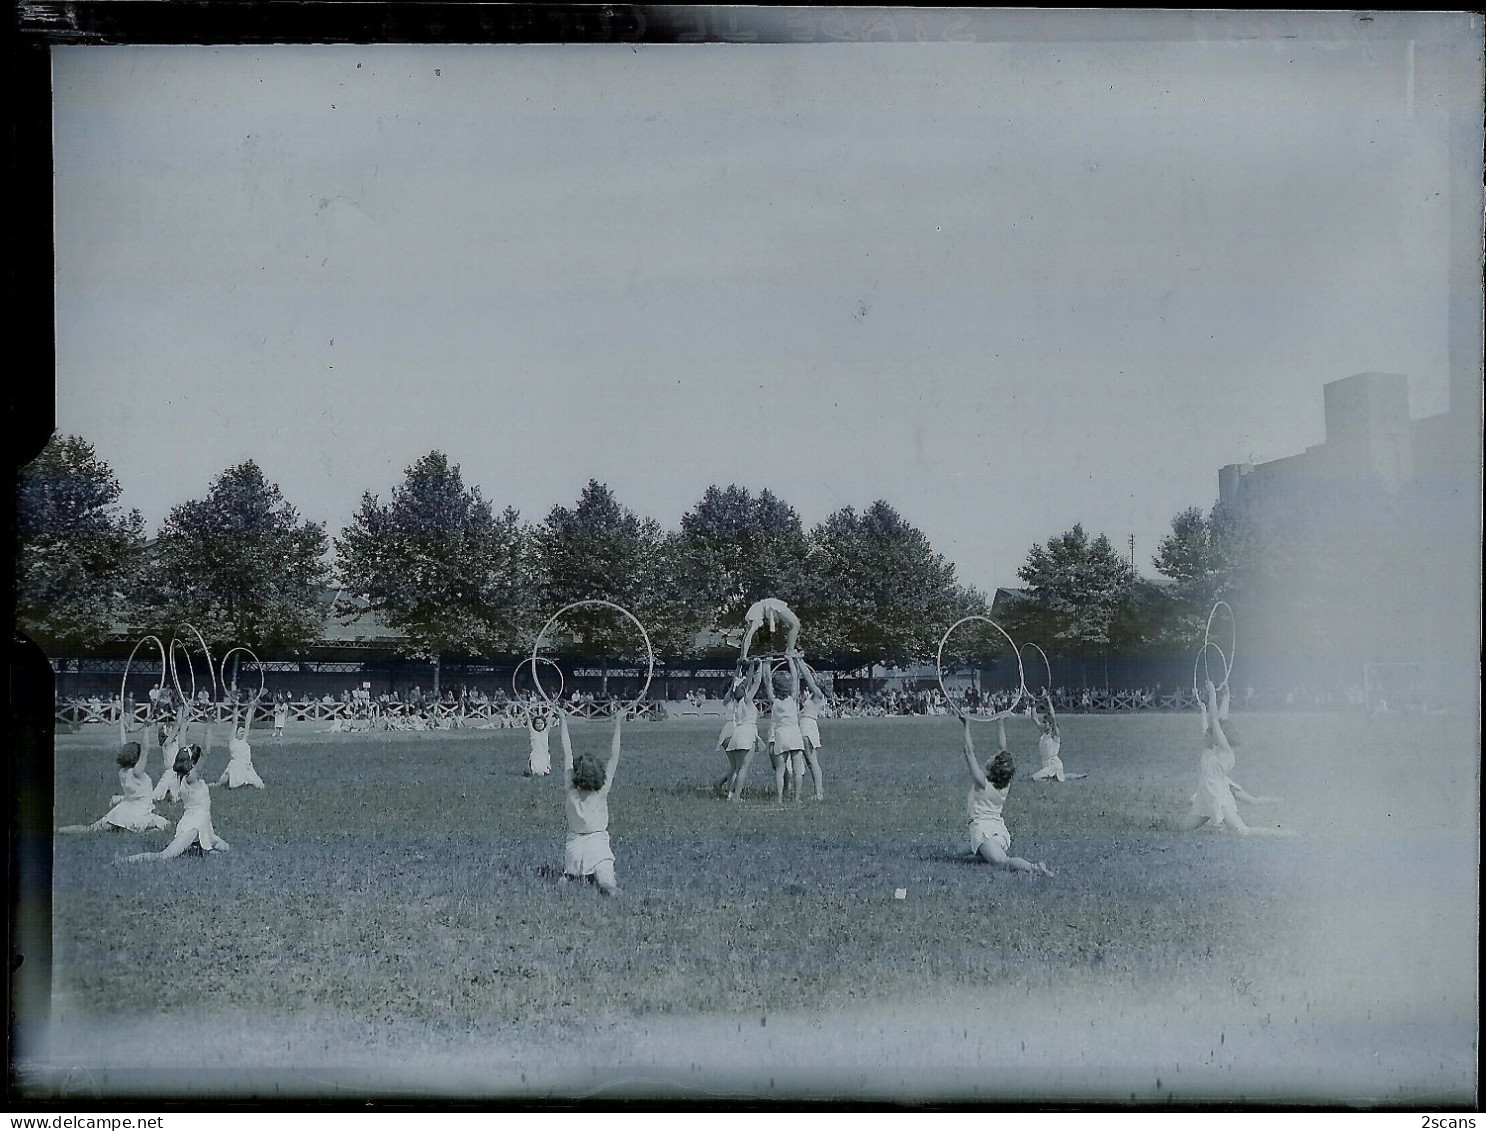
[989,837]
[1050,744]
[785,738]
[772,610]
[586,802]
[815,701]
[239,771]
[743,741]
[133,807]
[1215,804]
[538,743]
[195,825]
[171,744]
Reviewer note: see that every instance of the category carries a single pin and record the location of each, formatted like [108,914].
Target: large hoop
[1015,651]
[537,647]
[1046,663]
[262,682]
[124,683]
[561,682]
[1201,662]
[1207,638]
[207,652]
[175,677]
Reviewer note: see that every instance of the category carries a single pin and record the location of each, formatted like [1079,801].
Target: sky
[1006,287]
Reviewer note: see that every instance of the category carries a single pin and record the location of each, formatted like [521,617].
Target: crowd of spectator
[416,708]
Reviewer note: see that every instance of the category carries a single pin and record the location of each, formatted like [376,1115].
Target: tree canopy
[77,549]
[239,565]
[877,590]
[437,563]
[1078,588]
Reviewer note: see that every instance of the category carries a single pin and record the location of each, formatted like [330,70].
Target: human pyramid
[792,695]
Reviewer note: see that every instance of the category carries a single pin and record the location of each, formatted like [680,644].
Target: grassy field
[388,922]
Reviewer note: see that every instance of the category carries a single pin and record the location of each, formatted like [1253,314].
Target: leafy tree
[1079,587]
[878,593]
[735,548]
[1207,559]
[602,549]
[239,565]
[76,549]
[438,564]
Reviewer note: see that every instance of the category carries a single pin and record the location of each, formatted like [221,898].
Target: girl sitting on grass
[195,826]
[133,808]
[171,744]
[538,743]
[989,837]
[1050,744]
[1215,804]
[239,771]
[586,801]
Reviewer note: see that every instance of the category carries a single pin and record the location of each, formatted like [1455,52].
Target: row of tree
[439,563]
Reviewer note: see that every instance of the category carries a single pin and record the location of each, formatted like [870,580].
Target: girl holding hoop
[538,742]
[133,807]
[195,825]
[171,744]
[815,701]
[1050,743]
[741,731]
[280,717]
[1214,804]
[724,736]
[586,801]
[989,838]
[785,737]
[239,771]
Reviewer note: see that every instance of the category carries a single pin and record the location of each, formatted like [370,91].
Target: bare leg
[603,875]
[796,759]
[780,765]
[812,762]
[993,853]
[96,826]
[737,793]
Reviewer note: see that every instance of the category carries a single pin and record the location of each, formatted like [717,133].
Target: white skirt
[137,815]
[993,831]
[787,738]
[745,737]
[726,736]
[585,852]
[240,772]
[811,730]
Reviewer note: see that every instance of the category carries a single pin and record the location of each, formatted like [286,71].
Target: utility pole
[1132,551]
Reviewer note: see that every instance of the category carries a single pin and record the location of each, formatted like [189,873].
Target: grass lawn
[388,922]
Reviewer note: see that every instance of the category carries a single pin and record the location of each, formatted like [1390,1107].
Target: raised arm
[755,677]
[1052,716]
[768,685]
[1214,727]
[1223,703]
[810,680]
[567,747]
[1001,731]
[794,676]
[977,775]
[613,751]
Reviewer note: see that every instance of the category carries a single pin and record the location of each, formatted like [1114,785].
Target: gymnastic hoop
[124,683]
[1048,686]
[561,682]
[1201,662]
[207,652]
[1015,651]
[262,683]
[1207,637]
[537,647]
[175,675]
